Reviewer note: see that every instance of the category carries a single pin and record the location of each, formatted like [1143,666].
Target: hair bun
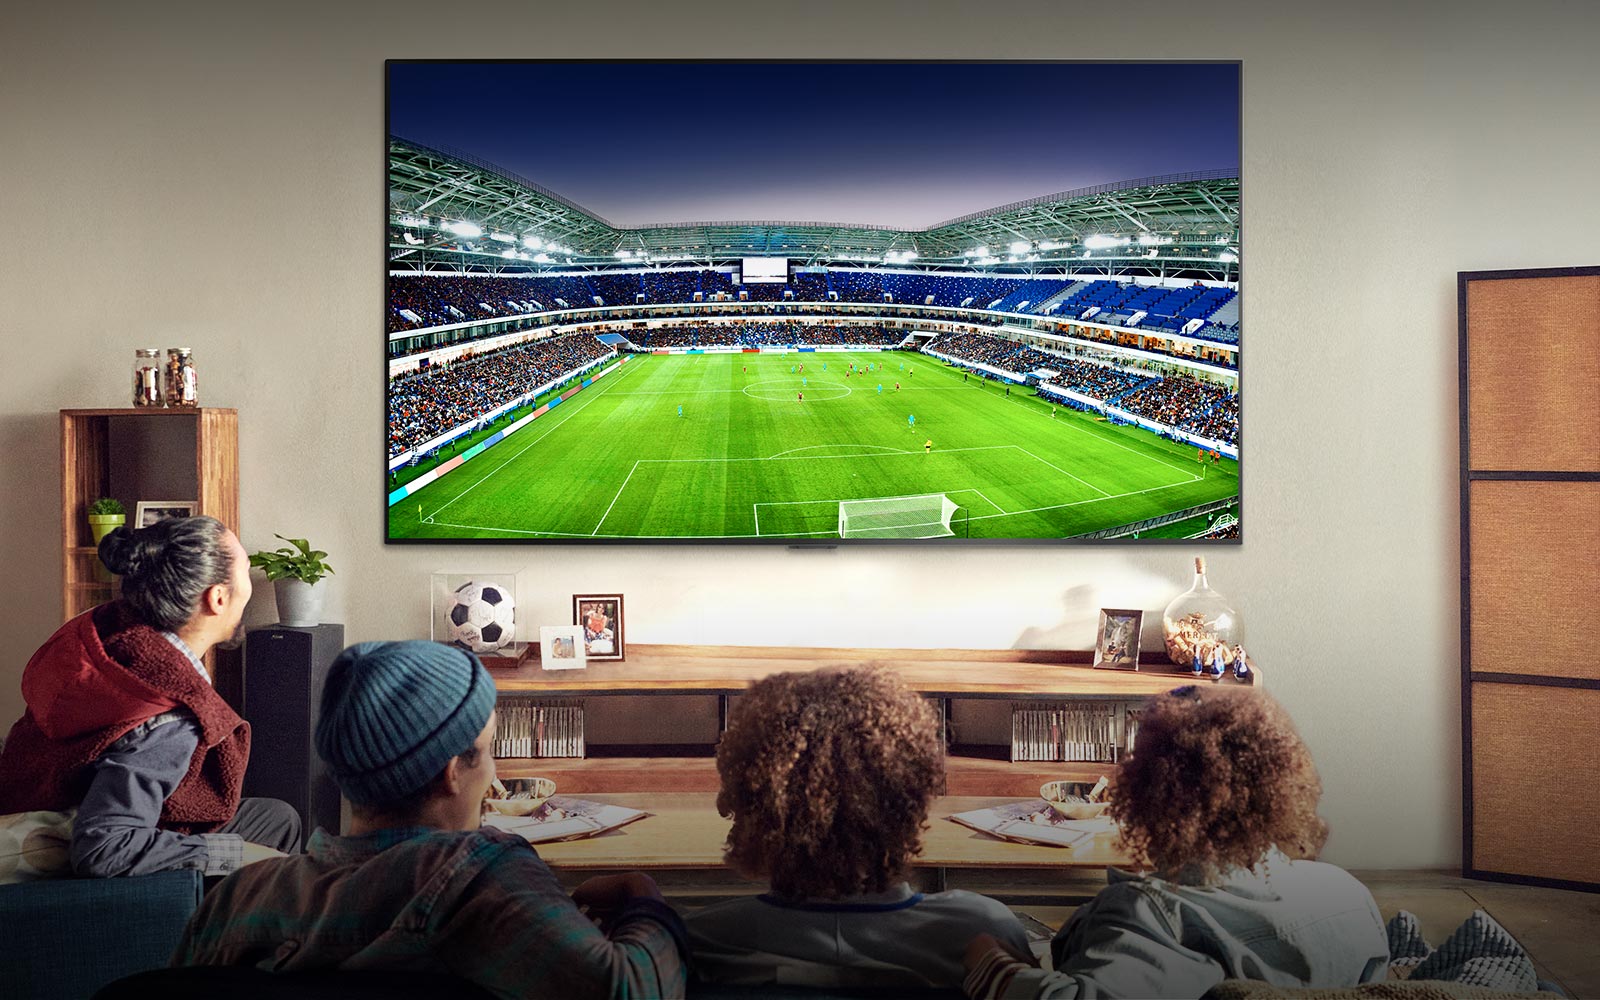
[121,552]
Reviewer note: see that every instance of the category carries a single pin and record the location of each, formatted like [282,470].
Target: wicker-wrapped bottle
[1199,626]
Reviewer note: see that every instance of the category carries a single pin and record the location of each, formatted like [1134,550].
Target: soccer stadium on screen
[1064,366]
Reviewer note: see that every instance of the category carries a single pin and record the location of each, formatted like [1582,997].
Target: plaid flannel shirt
[478,905]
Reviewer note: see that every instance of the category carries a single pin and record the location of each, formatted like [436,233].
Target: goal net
[926,516]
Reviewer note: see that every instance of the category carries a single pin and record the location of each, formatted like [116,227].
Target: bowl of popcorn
[1076,799]
[521,798]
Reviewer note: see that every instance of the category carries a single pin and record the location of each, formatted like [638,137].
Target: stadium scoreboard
[764,270]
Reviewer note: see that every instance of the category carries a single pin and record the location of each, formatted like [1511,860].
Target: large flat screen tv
[812,302]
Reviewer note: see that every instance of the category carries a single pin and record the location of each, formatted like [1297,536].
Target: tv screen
[923,302]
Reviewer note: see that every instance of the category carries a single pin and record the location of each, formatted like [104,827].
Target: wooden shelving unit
[132,455]
[724,671]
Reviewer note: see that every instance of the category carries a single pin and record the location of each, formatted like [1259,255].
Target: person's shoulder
[964,901]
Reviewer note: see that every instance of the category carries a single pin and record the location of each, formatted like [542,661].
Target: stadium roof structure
[452,213]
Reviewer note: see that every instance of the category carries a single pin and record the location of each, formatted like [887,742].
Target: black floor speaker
[284,668]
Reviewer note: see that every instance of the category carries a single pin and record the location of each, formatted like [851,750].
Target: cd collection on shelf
[539,727]
[1095,731]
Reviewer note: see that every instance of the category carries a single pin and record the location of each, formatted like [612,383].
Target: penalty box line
[551,430]
[1104,439]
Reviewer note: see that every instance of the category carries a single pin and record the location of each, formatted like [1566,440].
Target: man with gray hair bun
[407,729]
[123,732]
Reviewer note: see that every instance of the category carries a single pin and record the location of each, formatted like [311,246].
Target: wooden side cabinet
[1530,575]
[133,455]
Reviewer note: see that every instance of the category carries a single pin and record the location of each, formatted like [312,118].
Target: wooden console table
[684,832]
[723,671]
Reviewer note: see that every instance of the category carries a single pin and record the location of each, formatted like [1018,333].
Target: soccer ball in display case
[477,612]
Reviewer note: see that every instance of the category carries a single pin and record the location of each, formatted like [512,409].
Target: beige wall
[214,177]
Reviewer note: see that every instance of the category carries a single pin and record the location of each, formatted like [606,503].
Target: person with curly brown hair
[828,777]
[1219,803]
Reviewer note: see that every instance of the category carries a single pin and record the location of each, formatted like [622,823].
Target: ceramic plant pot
[299,603]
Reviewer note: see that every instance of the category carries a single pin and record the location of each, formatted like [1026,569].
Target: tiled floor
[1560,928]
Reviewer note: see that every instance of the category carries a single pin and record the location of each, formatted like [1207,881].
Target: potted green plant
[104,515]
[296,571]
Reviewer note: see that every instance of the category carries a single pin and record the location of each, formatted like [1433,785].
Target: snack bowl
[523,797]
[1067,799]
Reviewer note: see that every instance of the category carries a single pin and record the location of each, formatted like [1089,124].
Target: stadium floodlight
[466,229]
[413,239]
[502,237]
[541,258]
[978,252]
[1099,242]
[624,254]
[532,242]
[1020,247]
[509,254]
[1228,257]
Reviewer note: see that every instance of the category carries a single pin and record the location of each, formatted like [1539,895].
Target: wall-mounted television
[923,302]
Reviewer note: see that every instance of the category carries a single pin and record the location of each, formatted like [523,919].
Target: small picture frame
[561,647]
[1117,643]
[600,617]
[148,512]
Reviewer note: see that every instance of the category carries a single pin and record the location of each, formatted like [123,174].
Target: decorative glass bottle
[1201,629]
[182,385]
[147,376]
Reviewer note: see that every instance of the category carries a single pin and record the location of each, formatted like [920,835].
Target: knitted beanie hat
[394,713]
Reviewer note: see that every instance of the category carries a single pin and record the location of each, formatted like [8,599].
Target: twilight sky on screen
[894,144]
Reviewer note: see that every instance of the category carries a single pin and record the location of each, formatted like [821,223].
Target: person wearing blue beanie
[407,730]
[394,714]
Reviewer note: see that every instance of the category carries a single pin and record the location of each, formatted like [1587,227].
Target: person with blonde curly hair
[828,777]
[1219,803]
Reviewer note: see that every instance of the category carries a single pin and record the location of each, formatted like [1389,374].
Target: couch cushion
[68,937]
[35,845]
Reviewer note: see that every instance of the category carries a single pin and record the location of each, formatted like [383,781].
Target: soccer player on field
[897,387]
[927,447]
[799,397]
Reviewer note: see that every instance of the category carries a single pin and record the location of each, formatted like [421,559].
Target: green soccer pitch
[748,458]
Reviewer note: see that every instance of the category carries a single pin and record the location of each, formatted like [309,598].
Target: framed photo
[1117,647]
[148,512]
[561,647]
[600,615]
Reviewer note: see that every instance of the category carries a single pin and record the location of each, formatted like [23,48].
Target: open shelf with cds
[1045,703]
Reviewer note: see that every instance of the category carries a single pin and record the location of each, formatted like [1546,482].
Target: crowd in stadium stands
[417,301]
[1002,354]
[748,334]
[1231,531]
[1099,381]
[427,403]
[1179,401]
[1186,403]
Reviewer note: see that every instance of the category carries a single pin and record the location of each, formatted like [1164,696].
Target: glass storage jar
[182,385]
[1201,629]
[147,377]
